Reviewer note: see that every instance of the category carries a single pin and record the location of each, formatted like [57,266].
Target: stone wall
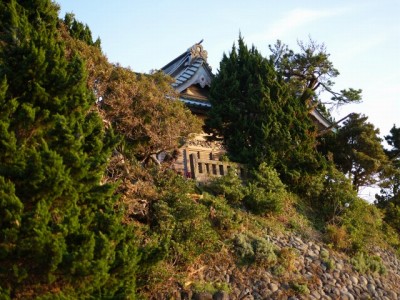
[309,269]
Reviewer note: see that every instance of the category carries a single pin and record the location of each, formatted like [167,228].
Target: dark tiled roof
[188,72]
[185,66]
[195,102]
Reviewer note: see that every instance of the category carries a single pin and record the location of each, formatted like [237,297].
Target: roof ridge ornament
[197,51]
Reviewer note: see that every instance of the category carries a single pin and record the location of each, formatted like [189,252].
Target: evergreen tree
[59,231]
[389,197]
[309,73]
[357,150]
[79,30]
[259,117]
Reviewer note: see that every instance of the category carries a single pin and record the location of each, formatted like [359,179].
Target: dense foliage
[79,31]
[259,117]
[310,72]
[146,111]
[389,197]
[59,233]
[356,150]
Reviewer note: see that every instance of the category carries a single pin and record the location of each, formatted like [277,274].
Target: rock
[339,266]
[348,282]
[220,296]
[266,278]
[311,254]
[336,274]
[308,260]
[273,287]
[391,295]
[244,293]
[316,295]
[363,280]
[297,240]
[371,288]
[202,296]
[365,296]
[318,281]
[261,285]
[380,293]
[316,248]
[354,279]
[343,288]
[336,291]
[346,296]
[265,293]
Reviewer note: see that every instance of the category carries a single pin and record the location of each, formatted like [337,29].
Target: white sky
[363,38]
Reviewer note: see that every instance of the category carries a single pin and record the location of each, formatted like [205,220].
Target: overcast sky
[363,38]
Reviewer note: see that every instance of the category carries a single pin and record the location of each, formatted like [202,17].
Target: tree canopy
[80,31]
[357,150]
[145,110]
[310,72]
[59,230]
[389,196]
[258,115]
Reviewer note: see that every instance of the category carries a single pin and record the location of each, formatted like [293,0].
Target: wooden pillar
[193,166]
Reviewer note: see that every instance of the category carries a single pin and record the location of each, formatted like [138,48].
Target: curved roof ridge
[188,72]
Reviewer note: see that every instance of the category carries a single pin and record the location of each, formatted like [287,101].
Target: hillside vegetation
[88,211]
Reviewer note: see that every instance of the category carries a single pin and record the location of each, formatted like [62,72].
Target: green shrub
[391,236]
[193,234]
[300,288]
[324,254]
[328,262]
[229,186]
[363,222]
[365,263]
[266,192]
[287,258]
[251,248]
[243,247]
[210,287]
[337,193]
[392,215]
[223,217]
[337,237]
[278,270]
[183,224]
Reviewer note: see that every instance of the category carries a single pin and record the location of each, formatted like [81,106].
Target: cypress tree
[60,233]
[259,117]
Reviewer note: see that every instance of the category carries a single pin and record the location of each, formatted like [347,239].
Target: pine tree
[357,150]
[310,72]
[60,232]
[258,116]
[389,196]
